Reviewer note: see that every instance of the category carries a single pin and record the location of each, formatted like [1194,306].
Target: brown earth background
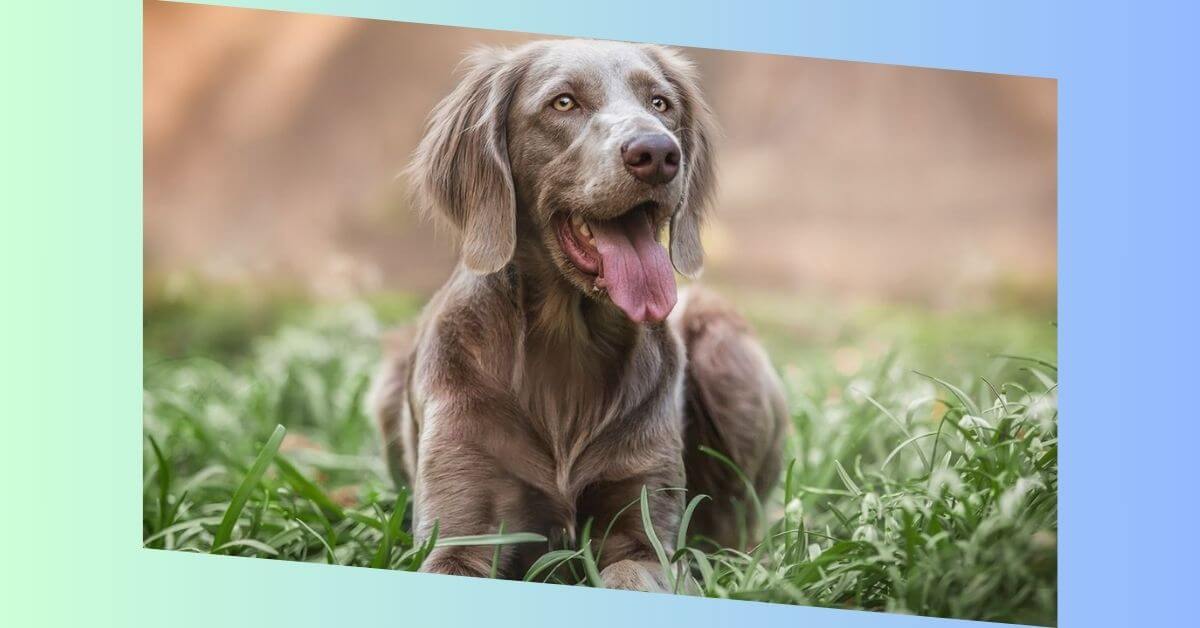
[273,142]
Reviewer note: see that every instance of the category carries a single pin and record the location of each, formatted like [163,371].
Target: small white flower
[1012,499]
[971,422]
[944,479]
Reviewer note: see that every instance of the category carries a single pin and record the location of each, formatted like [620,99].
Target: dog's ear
[697,132]
[461,167]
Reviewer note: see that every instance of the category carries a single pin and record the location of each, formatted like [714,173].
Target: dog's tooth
[585,230]
[576,220]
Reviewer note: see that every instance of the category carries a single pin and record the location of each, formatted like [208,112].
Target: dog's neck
[560,318]
[578,353]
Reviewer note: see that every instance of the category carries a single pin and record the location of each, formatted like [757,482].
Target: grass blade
[164,483]
[391,533]
[904,444]
[225,530]
[496,555]
[590,569]
[652,536]
[490,539]
[705,567]
[956,391]
[417,555]
[549,562]
[330,556]
[681,537]
[897,421]
[850,485]
[1044,363]
[749,486]
[261,547]
[307,489]
[358,517]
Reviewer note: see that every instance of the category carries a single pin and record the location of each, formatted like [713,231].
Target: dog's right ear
[461,167]
[697,133]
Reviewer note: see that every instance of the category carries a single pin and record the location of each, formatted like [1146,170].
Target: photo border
[73,455]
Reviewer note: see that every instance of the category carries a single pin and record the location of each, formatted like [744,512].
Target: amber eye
[660,104]
[564,102]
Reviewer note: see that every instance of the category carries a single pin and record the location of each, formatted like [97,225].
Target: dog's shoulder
[472,323]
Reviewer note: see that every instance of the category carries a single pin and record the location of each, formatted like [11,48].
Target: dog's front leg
[457,495]
[469,481]
[466,492]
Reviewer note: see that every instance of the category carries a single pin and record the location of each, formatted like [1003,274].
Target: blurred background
[851,195]
[273,143]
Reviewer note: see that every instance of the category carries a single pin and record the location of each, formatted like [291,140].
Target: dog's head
[595,146]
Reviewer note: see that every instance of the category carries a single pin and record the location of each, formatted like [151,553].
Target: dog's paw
[632,575]
[455,564]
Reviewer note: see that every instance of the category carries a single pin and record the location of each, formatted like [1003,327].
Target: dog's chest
[580,421]
[571,422]
[593,411]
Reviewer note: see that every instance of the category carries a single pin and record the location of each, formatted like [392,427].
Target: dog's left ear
[697,131]
[461,168]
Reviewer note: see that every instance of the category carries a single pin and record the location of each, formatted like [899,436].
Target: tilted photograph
[597,313]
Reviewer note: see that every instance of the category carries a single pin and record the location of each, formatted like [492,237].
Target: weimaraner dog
[557,372]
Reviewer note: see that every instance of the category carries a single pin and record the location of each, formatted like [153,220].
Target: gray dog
[555,375]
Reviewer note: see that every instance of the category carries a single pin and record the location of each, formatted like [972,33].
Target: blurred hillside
[273,141]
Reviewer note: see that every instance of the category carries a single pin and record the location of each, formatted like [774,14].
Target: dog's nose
[652,158]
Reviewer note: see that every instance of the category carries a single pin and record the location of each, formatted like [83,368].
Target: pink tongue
[635,268]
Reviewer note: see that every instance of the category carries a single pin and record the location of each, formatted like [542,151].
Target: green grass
[922,476]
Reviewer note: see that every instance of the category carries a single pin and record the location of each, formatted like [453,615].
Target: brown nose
[652,158]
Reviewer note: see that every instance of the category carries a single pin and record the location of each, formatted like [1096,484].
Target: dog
[558,373]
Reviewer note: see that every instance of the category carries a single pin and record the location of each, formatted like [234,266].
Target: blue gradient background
[70,262]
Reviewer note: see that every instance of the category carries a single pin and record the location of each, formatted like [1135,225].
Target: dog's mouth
[622,257]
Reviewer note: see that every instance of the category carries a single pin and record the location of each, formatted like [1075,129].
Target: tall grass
[911,486]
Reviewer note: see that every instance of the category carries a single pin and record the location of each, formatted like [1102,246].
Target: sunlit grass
[922,473]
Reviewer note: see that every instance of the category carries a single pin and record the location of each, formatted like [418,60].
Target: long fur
[523,399]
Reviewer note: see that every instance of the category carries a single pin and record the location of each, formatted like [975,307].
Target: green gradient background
[70,321]
[70,267]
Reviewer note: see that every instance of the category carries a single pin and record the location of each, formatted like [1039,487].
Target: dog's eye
[660,104]
[564,102]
